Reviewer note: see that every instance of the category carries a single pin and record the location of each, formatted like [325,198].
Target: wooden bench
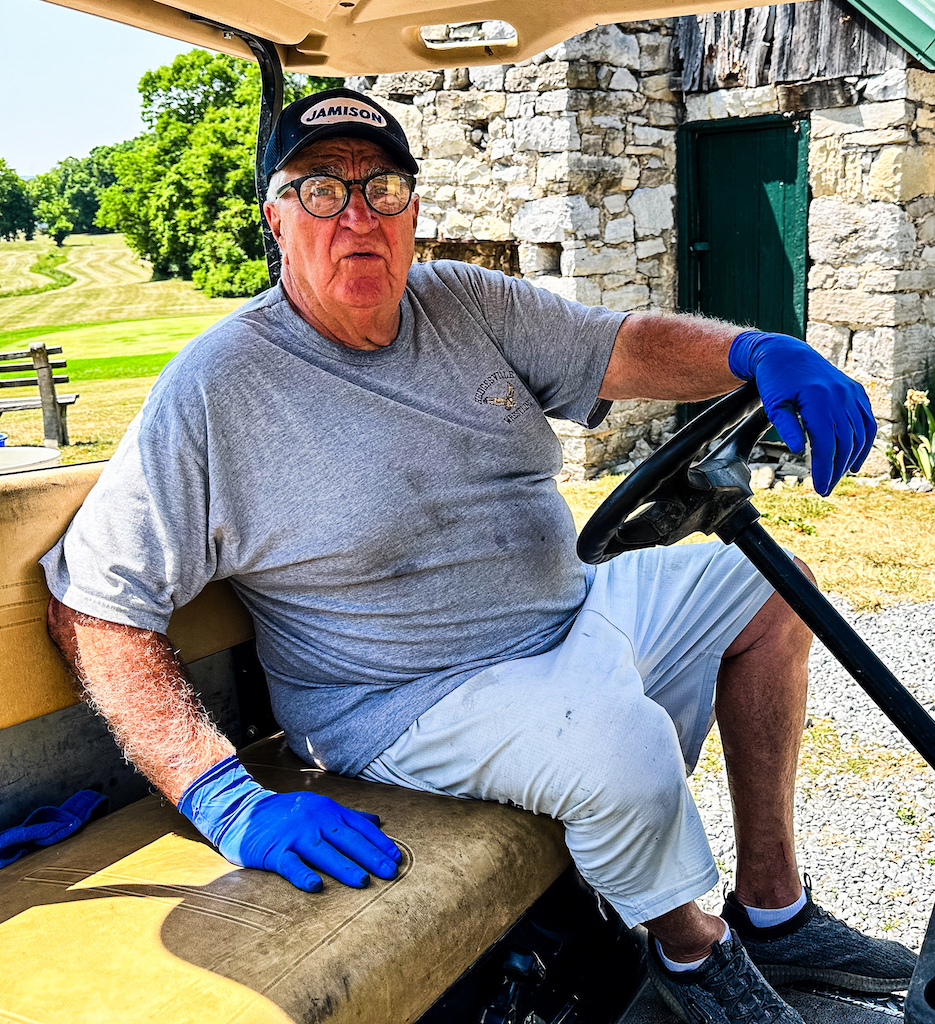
[39,369]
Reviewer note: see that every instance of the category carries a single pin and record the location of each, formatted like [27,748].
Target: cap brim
[385,141]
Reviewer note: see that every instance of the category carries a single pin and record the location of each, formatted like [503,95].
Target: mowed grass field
[110,284]
[118,328]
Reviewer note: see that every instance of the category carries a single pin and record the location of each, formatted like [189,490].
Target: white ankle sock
[760,918]
[676,967]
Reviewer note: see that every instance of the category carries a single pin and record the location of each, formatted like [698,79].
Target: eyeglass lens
[325,196]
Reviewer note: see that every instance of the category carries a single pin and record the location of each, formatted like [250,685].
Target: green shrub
[228,281]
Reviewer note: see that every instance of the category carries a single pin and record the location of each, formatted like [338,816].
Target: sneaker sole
[671,1002]
[664,994]
[781,974]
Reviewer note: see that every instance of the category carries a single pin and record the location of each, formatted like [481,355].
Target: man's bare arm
[138,685]
[136,682]
[679,357]
[689,358]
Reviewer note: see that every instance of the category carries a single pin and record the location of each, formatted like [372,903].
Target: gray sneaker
[726,989]
[815,946]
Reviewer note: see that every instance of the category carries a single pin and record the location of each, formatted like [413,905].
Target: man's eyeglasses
[325,195]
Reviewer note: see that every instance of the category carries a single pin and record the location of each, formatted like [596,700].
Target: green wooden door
[743,203]
[742,221]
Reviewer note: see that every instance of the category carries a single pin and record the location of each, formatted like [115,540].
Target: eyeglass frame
[347,183]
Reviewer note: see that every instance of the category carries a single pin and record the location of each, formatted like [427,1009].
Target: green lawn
[117,329]
[116,350]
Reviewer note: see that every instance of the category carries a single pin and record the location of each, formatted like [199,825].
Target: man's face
[352,263]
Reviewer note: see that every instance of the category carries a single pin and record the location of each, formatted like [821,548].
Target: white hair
[276,180]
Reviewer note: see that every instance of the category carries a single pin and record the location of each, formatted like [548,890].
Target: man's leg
[600,747]
[760,706]
[761,691]
[686,933]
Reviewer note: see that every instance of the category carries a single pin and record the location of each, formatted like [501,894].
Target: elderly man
[364,452]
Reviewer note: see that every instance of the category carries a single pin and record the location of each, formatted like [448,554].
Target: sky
[68,82]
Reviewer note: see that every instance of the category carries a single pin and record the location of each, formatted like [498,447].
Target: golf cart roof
[346,37]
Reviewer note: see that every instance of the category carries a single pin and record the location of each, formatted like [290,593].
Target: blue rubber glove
[280,832]
[796,383]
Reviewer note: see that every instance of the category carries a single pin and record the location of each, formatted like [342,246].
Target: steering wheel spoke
[681,495]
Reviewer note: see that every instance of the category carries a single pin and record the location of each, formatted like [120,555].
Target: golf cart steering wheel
[671,495]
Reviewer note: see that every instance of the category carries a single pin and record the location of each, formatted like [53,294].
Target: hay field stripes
[111,284]
[103,265]
[15,272]
[140,301]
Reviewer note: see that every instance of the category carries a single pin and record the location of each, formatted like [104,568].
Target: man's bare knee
[805,569]
[776,625]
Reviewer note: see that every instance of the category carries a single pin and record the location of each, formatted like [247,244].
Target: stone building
[774,166]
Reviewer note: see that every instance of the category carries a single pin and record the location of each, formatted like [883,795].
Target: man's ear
[271,212]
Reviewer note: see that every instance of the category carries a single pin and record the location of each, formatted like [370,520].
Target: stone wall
[572,155]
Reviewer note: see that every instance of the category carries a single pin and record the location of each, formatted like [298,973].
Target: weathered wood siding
[783,43]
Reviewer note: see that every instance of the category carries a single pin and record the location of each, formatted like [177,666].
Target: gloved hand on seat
[796,383]
[289,833]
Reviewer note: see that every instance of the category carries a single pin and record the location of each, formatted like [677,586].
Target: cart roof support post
[271,78]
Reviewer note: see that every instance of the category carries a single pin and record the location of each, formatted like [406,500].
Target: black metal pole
[903,710]
[270,108]
[271,79]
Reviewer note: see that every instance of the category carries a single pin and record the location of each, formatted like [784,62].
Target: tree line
[182,192]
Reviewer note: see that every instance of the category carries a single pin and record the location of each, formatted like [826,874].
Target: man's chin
[366,292]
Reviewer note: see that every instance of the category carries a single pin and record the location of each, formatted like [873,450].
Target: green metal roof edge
[911,23]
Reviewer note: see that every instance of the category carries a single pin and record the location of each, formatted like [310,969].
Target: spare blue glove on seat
[286,832]
[795,382]
[48,825]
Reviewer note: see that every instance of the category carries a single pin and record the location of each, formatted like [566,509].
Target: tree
[52,212]
[190,86]
[184,193]
[16,211]
[67,197]
[81,182]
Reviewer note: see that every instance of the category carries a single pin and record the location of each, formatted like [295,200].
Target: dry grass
[15,260]
[874,545]
[111,284]
[823,751]
[96,422]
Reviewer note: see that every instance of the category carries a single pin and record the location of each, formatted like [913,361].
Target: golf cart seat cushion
[137,918]
[35,509]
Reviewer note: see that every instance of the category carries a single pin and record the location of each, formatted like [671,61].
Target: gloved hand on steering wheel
[286,832]
[796,383]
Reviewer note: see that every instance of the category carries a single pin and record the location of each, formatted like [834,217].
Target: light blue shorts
[598,731]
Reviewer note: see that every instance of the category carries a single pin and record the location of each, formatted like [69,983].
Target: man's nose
[357,214]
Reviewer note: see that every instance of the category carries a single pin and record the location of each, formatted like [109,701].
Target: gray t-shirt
[389,517]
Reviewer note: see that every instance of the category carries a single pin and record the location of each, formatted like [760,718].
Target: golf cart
[135,917]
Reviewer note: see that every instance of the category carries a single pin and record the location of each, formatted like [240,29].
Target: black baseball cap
[335,113]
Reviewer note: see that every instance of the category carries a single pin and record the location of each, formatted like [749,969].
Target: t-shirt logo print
[506,401]
[499,378]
